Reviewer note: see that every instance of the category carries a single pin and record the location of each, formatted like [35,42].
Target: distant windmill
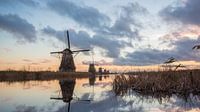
[196,47]
[67,62]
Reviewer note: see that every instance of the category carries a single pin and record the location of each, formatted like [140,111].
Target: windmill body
[67,62]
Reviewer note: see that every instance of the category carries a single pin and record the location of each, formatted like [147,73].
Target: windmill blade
[84,50]
[85,100]
[56,98]
[68,39]
[56,52]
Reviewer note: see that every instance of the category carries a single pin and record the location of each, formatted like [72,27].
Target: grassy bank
[159,84]
[43,75]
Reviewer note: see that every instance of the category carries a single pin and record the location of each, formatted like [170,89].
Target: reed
[162,84]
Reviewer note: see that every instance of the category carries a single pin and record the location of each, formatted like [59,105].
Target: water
[34,96]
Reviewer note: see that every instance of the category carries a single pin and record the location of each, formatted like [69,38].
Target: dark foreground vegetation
[159,84]
[43,75]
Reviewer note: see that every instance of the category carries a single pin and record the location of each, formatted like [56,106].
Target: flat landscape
[99,56]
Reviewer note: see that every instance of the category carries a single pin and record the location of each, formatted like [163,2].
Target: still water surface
[34,96]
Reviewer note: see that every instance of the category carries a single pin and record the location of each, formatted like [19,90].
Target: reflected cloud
[24,108]
[102,99]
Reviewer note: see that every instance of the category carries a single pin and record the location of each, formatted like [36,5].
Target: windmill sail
[81,50]
[59,52]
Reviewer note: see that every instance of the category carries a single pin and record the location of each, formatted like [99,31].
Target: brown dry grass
[159,84]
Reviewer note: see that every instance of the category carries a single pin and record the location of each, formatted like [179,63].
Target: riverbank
[41,75]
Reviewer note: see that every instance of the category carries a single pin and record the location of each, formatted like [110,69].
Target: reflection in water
[36,98]
[100,78]
[123,87]
[67,89]
[92,79]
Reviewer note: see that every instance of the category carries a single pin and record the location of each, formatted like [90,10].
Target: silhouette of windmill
[67,62]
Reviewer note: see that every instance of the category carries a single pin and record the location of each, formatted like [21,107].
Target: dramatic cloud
[105,37]
[83,40]
[188,13]
[182,50]
[127,23]
[86,16]
[80,39]
[19,27]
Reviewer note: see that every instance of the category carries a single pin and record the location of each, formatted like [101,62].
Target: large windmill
[67,62]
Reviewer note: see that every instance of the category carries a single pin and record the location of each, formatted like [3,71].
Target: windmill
[67,62]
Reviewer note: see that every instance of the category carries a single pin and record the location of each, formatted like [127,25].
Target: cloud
[127,24]
[45,61]
[23,108]
[182,50]
[19,27]
[31,3]
[83,40]
[26,60]
[79,39]
[35,63]
[41,61]
[188,13]
[86,16]
[108,37]
[99,63]
[7,49]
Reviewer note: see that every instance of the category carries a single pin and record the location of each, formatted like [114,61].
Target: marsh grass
[43,75]
[159,84]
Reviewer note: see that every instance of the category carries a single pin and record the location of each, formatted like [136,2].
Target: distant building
[91,68]
[100,70]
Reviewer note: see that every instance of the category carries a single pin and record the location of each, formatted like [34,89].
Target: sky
[132,33]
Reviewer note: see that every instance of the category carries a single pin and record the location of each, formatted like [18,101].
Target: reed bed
[159,84]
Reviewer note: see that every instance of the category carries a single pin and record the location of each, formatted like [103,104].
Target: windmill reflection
[100,77]
[67,89]
[92,79]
